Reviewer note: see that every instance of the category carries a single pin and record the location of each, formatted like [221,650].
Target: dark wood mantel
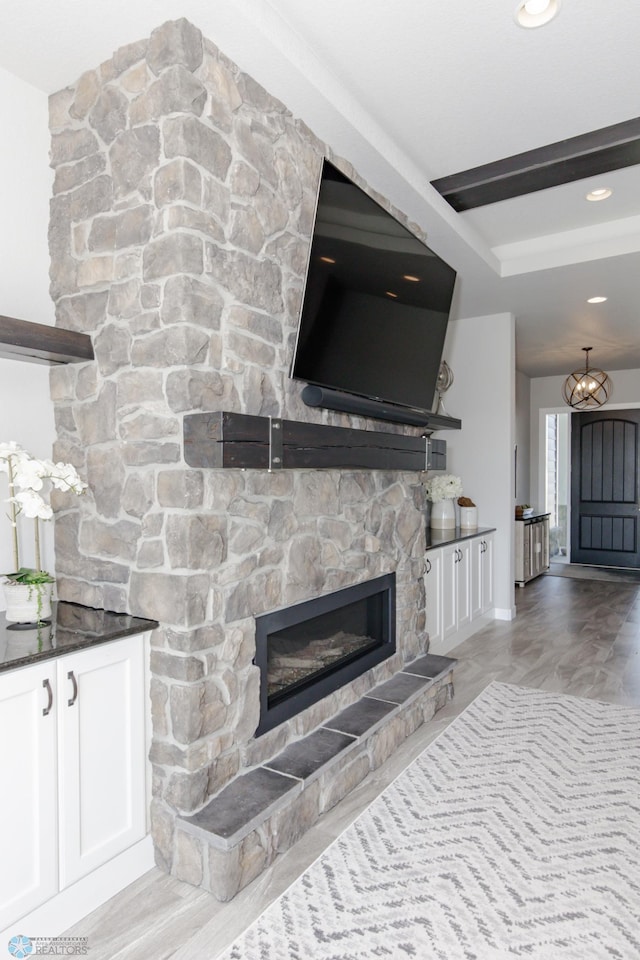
[225,439]
[40,343]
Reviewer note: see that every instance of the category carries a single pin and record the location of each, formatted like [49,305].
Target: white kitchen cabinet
[433,589]
[487,575]
[75,737]
[459,590]
[28,799]
[482,576]
[456,585]
[101,748]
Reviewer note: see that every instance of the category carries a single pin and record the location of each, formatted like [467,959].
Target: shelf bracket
[276,450]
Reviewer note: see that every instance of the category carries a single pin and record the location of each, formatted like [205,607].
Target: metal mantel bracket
[276,457]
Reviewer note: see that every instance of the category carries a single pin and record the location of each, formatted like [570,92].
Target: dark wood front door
[605,488]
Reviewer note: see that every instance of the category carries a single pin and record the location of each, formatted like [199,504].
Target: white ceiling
[414,90]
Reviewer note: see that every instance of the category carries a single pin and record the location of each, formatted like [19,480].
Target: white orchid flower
[28,474]
[9,450]
[64,476]
[32,505]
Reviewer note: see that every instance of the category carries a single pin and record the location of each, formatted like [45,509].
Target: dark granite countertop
[533,516]
[444,537]
[72,627]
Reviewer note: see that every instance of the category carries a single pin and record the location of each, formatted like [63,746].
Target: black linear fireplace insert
[308,650]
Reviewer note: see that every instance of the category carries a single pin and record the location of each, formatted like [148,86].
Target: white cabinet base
[445,645]
[72,904]
[76,738]
[459,590]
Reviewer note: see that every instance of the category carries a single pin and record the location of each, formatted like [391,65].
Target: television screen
[376,302]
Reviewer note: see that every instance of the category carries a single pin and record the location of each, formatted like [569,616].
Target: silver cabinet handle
[428,565]
[74,697]
[47,686]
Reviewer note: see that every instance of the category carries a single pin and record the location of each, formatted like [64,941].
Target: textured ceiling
[410,92]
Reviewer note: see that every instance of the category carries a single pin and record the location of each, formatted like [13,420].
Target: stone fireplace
[180,225]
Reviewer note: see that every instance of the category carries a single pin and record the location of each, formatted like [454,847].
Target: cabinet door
[101,746]
[486,573]
[463,584]
[28,799]
[477,558]
[450,560]
[545,545]
[433,590]
[528,552]
[538,563]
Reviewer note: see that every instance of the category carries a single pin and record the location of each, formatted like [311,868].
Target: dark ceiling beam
[588,155]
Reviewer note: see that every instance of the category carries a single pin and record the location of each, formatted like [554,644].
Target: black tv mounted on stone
[375,310]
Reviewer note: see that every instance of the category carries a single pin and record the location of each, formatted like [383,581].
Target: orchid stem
[37,542]
[13,515]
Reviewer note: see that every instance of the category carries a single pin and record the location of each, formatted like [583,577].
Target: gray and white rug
[515,834]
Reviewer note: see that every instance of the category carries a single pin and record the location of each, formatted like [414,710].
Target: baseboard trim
[462,634]
[75,902]
[504,614]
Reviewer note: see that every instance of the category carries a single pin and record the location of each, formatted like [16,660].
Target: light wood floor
[580,637]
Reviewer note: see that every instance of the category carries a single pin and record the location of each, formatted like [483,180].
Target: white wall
[523,437]
[481,354]
[546,397]
[26,412]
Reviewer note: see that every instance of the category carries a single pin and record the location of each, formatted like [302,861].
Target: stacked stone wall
[180,226]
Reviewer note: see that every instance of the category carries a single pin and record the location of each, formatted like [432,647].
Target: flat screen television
[375,309]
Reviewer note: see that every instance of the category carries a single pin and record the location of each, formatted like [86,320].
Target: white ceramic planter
[27,602]
[468,518]
[443,515]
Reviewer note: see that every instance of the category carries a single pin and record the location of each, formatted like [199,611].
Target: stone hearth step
[263,812]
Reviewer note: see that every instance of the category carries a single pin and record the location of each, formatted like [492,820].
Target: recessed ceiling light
[601,193]
[535,13]
[390,293]
[596,299]
[327,259]
[409,276]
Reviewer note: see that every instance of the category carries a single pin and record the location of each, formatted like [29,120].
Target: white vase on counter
[468,518]
[27,602]
[443,515]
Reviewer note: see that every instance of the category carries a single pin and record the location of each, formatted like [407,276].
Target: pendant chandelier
[588,388]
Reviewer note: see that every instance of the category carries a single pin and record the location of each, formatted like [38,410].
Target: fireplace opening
[308,650]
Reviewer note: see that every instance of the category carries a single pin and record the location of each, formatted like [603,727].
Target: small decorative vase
[27,602]
[443,515]
[468,518]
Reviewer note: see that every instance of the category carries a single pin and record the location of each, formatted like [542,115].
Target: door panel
[463,584]
[433,587]
[29,872]
[605,469]
[101,744]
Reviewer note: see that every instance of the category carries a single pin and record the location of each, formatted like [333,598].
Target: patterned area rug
[515,834]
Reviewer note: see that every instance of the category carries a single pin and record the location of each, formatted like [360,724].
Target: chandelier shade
[587,389]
